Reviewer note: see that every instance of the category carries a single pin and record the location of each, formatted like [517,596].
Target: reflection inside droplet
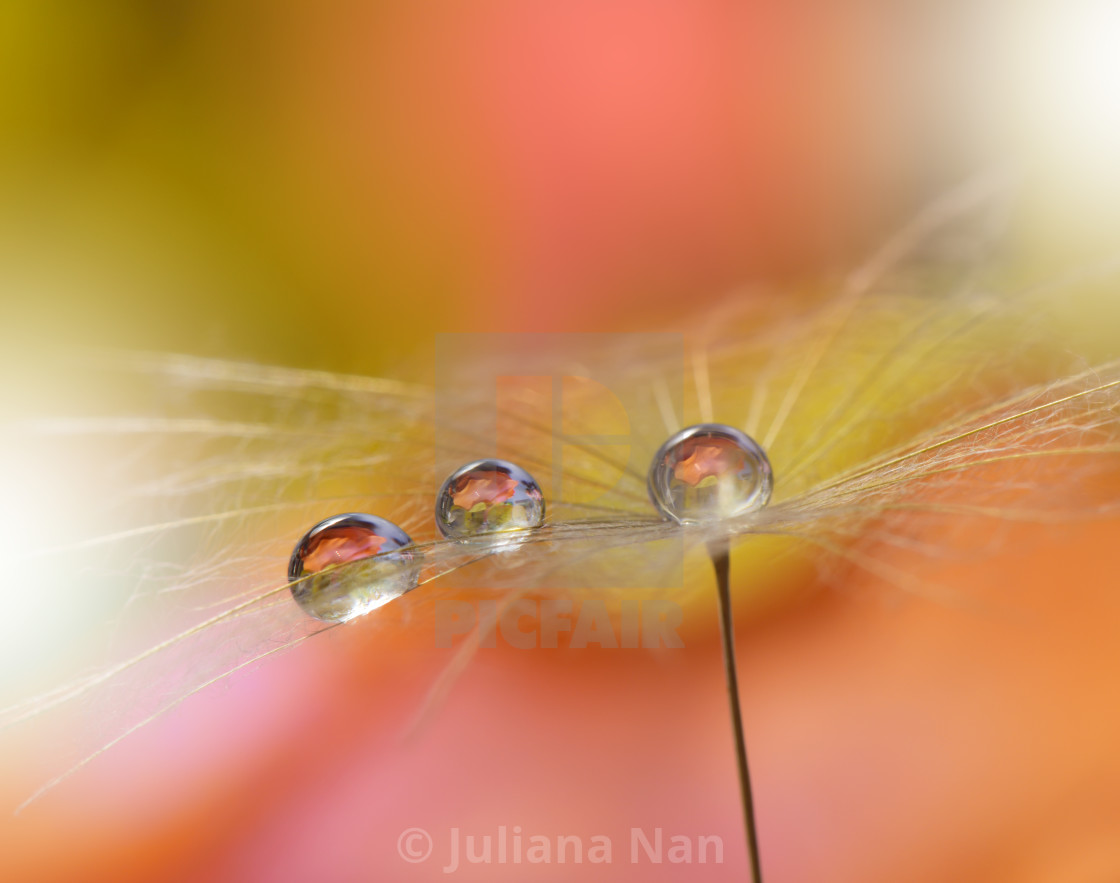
[330,592]
[489,501]
[708,473]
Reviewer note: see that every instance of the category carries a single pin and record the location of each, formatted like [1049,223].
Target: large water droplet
[709,472]
[335,594]
[491,501]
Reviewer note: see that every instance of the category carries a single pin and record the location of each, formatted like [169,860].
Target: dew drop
[333,594]
[709,472]
[489,500]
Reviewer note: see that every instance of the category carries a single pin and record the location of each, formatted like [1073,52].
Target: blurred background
[328,186]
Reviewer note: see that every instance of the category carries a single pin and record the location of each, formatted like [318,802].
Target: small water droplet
[333,594]
[709,472]
[491,500]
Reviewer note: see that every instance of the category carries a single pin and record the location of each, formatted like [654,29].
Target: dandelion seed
[907,454]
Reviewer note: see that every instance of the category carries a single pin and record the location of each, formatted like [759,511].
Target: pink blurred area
[599,163]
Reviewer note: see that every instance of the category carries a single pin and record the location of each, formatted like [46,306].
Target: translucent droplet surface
[709,472]
[332,593]
[491,501]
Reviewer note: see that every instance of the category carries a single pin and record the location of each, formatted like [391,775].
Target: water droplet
[333,594]
[708,473]
[491,500]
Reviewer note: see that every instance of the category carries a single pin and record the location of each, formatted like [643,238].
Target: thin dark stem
[721,560]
